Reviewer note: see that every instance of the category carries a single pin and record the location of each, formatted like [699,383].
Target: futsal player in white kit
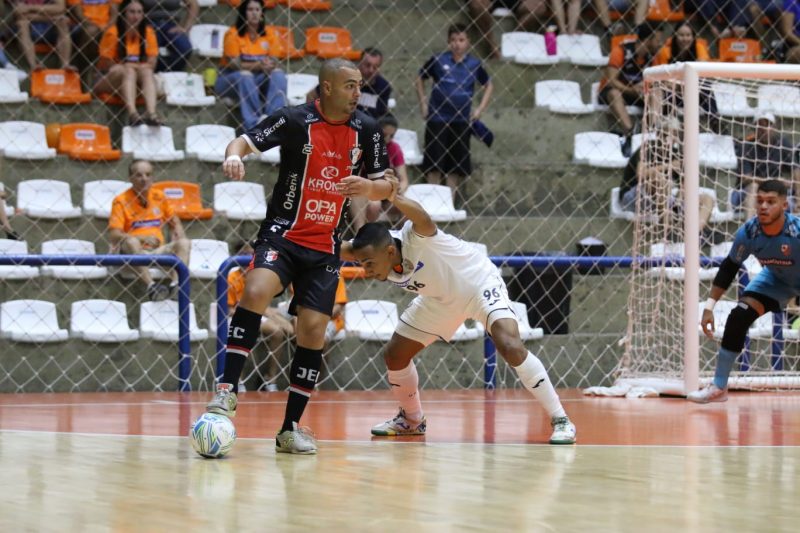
[453,282]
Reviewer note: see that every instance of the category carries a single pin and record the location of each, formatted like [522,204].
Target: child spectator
[173,37]
[249,73]
[128,52]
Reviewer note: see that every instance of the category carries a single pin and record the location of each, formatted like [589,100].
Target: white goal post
[689,129]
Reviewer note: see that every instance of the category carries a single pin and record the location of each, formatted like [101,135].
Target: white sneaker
[400,425]
[224,401]
[712,393]
[299,441]
[272,387]
[563,430]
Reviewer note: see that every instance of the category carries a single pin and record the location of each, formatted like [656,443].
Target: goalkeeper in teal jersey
[773,237]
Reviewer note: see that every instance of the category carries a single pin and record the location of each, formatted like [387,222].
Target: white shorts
[427,320]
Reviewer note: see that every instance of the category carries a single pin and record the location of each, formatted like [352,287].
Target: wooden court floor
[121,462]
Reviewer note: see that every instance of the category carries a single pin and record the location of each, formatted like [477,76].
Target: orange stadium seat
[617,40]
[58,86]
[52,132]
[663,11]
[352,272]
[87,142]
[185,199]
[307,5]
[281,39]
[329,41]
[733,50]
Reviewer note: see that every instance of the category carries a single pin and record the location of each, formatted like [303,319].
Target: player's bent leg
[532,374]
[303,375]
[404,383]
[261,286]
[739,321]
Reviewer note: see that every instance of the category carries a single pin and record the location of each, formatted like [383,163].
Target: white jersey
[441,267]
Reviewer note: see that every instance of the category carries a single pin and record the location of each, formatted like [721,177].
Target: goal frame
[689,74]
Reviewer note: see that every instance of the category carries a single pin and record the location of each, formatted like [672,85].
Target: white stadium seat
[12,247]
[9,88]
[24,140]
[207,142]
[526,332]
[185,89]
[153,143]
[561,96]
[599,149]
[46,199]
[30,321]
[437,200]
[370,320]
[409,143]
[100,321]
[206,256]
[159,321]
[208,39]
[240,200]
[98,196]
[71,247]
[717,151]
[298,85]
[676,273]
[731,100]
[526,48]
[581,49]
[783,100]
[466,333]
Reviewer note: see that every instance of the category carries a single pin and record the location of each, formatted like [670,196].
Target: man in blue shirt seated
[375,92]
[449,113]
[773,237]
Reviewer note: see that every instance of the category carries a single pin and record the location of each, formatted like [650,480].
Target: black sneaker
[157,292]
[13,235]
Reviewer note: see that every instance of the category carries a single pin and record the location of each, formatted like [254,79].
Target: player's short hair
[372,234]
[331,66]
[372,51]
[388,120]
[134,163]
[455,28]
[776,186]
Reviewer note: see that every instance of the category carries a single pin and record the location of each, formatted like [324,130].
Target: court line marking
[388,442]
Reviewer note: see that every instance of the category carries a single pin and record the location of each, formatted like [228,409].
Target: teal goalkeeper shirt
[780,254]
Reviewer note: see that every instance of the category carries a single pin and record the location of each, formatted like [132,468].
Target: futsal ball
[212,435]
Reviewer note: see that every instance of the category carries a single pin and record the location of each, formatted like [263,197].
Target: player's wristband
[233,157]
[710,303]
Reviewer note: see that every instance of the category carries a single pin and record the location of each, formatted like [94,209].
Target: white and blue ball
[212,435]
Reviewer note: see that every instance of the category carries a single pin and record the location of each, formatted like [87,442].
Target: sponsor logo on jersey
[308,148]
[376,149]
[330,173]
[355,156]
[322,211]
[263,134]
[332,154]
[288,203]
[153,223]
[320,184]
[270,256]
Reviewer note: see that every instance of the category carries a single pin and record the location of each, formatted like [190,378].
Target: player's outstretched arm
[420,219]
[346,251]
[233,168]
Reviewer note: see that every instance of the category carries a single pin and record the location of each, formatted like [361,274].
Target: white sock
[405,387]
[534,376]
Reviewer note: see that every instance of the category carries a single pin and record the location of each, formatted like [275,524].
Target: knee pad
[739,321]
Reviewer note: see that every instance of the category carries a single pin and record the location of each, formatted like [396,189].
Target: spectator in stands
[10,233]
[248,71]
[163,16]
[568,24]
[375,91]
[529,13]
[277,331]
[655,180]
[789,28]
[6,64]
[623,6]
[763,155]
[135,226]
[725,18]
[128,52]
[43,21]
[622,85]
[682,46]
[449,112]
[92,18]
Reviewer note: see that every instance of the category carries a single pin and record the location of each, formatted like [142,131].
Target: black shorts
[630,99]
[314,275]
[447,148]
[770,305]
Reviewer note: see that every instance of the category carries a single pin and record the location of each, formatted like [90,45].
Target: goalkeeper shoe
[224,401]
[712,393]
[563,430]
[298,440]
[400,425]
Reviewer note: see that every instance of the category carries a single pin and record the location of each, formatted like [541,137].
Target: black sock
[302,378]
[242,336]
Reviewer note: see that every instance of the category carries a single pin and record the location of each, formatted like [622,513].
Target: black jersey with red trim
[315,155]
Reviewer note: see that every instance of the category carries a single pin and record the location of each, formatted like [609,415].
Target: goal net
[710,133]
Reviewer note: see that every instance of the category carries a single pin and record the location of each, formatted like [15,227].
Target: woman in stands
[128,53]
[249,73]
[683,46]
